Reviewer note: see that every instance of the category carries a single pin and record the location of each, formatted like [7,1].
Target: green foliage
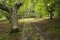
[35,8]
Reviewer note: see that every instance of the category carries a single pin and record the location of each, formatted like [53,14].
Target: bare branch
[4,7]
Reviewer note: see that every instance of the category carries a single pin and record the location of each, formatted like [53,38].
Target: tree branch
[4,7]
[17,4]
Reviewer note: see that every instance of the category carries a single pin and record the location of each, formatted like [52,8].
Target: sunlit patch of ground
[32,19]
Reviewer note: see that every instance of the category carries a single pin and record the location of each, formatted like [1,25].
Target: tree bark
[59,13]
[14,20]
[12,13]
[51,15]
[14,16]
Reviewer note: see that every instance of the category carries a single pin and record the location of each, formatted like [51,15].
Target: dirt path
[39,24]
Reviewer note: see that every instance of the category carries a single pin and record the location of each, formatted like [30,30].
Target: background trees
[38,8]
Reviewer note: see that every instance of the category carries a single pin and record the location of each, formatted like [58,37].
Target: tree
[50,7]
[12,13]
[50,10]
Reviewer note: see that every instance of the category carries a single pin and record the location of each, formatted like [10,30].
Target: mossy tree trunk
[51,15]
[12,12]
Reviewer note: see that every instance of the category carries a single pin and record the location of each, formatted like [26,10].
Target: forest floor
[50,26]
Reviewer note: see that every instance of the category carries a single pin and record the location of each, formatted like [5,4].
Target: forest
[29,19]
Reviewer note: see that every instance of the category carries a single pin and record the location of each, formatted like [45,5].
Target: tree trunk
[14,19]
[58,13]
[51,15]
